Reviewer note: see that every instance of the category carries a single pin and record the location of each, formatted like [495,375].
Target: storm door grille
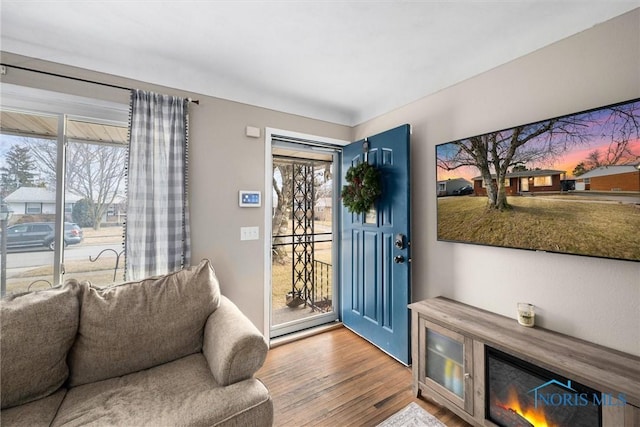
[302,283]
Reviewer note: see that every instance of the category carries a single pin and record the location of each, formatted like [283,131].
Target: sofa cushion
[182,392]
[37,331]
[39,413]
[139,325]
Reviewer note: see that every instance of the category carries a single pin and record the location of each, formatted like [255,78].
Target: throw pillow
[38,329]
[138,325]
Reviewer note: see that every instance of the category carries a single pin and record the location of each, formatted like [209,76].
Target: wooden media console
[448,348]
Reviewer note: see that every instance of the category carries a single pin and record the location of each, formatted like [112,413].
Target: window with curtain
[157,236]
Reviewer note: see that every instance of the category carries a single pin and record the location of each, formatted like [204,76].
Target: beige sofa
[165,351]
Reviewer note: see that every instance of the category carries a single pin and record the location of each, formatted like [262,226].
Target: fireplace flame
[535,416]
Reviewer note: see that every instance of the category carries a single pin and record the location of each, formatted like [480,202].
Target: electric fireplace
[519,394]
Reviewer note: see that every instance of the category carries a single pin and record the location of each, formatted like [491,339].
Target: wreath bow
[362,189]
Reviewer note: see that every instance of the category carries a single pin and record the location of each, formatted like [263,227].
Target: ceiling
[340,61]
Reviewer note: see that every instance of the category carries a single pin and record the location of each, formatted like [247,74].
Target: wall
[222,161]
[594,299]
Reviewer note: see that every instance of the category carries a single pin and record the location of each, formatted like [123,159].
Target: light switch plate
[249,233]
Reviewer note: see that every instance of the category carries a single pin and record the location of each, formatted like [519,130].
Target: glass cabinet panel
[445,363]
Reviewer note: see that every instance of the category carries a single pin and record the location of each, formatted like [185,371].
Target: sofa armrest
[233,346]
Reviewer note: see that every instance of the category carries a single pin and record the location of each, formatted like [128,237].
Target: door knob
[398,259]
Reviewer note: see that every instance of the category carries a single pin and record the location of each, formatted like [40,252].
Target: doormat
[412,416]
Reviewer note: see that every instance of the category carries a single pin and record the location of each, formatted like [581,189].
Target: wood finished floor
[338,379]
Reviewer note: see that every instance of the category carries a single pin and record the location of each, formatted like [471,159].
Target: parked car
[36,234]
[467,189]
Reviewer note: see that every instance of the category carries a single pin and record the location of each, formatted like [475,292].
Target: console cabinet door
[446,364]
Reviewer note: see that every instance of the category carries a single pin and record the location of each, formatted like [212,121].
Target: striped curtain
[157,236]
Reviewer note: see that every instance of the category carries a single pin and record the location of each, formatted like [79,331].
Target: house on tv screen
[610,178]
[528,181]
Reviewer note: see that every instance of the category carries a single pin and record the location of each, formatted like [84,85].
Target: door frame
[268,208]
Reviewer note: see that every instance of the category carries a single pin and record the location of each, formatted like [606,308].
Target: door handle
[398,259]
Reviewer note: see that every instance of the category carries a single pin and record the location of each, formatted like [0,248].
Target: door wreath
[362,189]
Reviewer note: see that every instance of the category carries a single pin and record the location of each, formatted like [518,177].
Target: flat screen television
[569,184]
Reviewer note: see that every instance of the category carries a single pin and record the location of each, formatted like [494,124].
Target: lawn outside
[281,274]
[556,224]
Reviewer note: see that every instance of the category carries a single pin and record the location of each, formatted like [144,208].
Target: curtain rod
[195,101]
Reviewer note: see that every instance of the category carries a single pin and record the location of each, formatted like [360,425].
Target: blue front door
[375,248]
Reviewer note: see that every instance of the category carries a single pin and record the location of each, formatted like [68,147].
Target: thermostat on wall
[250,199]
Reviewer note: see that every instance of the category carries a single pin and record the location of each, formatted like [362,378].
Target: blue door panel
[376,289]
[355,270]
[387,287]
[369,284]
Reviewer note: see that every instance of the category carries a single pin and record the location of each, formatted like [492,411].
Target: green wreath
[363,188]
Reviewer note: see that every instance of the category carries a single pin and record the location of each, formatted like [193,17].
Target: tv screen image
[568,184]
